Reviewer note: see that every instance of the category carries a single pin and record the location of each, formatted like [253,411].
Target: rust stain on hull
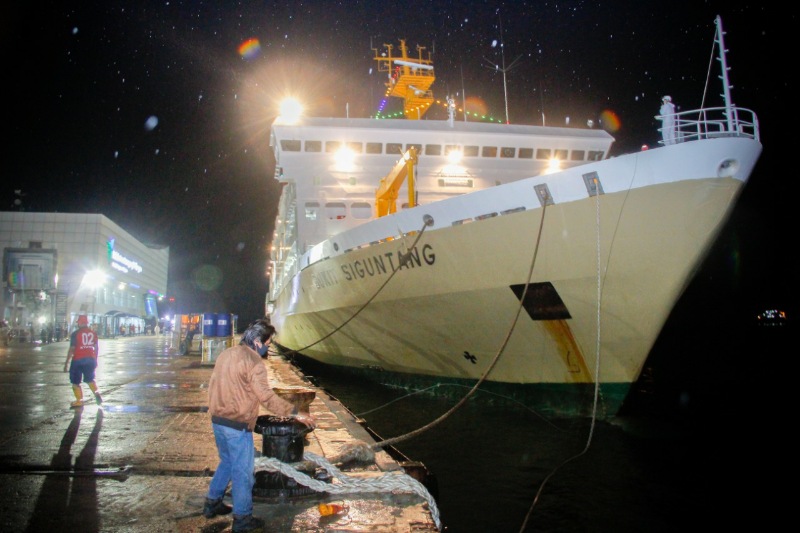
[568,350]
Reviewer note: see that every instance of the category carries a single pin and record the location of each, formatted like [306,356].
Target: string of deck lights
[379,114]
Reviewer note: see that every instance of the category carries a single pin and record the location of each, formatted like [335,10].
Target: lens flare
[475,105]
[609,120]
[250,48]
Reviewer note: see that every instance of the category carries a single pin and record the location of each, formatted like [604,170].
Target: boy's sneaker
[98,399]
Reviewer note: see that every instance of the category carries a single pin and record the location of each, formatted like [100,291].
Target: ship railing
[714,122]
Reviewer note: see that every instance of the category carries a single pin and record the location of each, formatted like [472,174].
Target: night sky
[146,112]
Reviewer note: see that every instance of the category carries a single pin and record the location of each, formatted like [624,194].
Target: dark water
[697,445]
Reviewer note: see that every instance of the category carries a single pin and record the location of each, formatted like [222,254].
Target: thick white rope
[389,482]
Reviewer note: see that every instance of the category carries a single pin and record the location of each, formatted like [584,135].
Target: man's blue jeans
[236,465]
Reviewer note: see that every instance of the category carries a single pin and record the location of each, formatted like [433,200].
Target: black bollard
[283,438]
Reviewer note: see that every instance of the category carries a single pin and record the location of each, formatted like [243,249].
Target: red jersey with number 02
[85,342]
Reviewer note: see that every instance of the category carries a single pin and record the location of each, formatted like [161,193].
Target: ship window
[507,151]
[526,153]
[355,147]
[433,149]
[351,180]
[332,146]
[313,146]
[374,148]
[335,210]
[312,210]
[513,210]
[451,148]
[455,182]
[543,153]
[577,155]
[561,155]
[290,146]
[470,151]
[484,217]
[593,185]
[394,148]
[489,151]
[595,155]
[543,192]
[417,146]
[361,210]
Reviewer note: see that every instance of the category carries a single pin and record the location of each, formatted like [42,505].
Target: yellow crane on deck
[387,192]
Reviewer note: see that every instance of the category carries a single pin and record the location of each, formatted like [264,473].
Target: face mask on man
[262,351]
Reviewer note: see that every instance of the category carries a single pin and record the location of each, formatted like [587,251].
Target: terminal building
[57,266]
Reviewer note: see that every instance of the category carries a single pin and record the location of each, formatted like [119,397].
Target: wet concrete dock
[143,461]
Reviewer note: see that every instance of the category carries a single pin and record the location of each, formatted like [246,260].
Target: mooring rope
[344,484]
[427,220]
[486,373]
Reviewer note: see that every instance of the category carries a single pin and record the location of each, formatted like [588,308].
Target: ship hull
[550,299]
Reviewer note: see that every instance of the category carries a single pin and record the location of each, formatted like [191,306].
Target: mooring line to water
[596,369]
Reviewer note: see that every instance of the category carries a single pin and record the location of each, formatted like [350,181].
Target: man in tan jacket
[239,384]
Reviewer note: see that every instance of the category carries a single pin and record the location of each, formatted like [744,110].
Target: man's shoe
[247,523]
[98,399]
[214,507]
[76,403]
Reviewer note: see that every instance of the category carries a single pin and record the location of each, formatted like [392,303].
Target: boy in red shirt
[83,351]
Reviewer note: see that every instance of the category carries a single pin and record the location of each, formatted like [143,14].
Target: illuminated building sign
[119,261]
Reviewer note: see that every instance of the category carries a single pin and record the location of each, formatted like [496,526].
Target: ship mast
[408,78]
[726,87]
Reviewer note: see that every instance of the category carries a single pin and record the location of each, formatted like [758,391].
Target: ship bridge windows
[526,153]
[544,153]
[595,155]
[361,210]
[470,151]
[577,155]
[290,145]
[394,148]
[418,147]
[332,146]
[508,151]
[560,154]
[433,149]
[374,148]
[312,210]
[313,146]
[489,151]
[456,182]
[356,147]
[335,210]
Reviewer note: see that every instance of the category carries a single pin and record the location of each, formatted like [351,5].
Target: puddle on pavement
[155,409]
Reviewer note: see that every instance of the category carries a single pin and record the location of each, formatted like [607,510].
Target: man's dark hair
[260,330]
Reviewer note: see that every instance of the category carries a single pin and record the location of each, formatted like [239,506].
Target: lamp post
[93,280]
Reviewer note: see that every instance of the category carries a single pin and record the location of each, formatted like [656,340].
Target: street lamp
[92,280]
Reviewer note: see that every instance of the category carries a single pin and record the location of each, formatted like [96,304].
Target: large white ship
[523,258]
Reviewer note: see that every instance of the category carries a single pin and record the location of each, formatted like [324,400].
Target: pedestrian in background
[239,384]
[84,347]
